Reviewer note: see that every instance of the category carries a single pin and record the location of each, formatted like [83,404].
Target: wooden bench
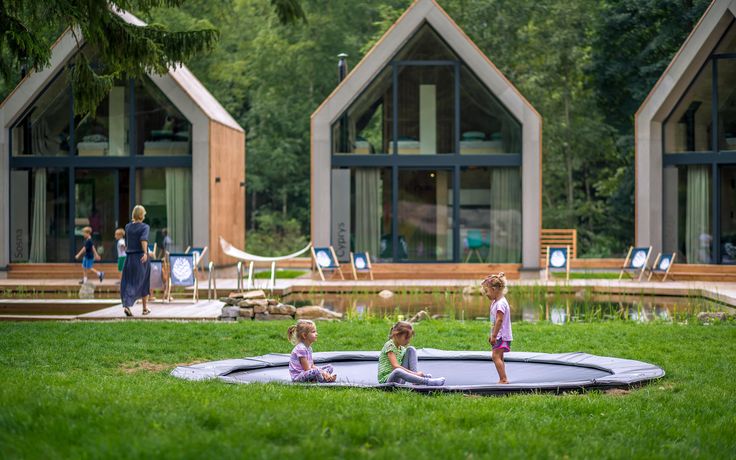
[558,237]
[702,272]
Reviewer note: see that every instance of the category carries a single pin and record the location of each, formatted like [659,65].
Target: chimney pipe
[342,67]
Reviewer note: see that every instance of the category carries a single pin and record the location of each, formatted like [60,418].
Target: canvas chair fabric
[662,265]
[558,259]
[325,259]
[183,272]
[361,262]
[636,261]
[200,253]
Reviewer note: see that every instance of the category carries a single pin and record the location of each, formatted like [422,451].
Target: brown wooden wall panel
[227,195]
[439,271]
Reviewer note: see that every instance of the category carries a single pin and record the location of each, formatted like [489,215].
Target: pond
[526,305]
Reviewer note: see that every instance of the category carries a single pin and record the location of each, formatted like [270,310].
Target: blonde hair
[401,328]
[139,213]
[120,232]
[87,230]
[298,330]
[496,281]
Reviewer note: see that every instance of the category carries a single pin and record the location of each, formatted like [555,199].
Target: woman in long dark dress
[136,280]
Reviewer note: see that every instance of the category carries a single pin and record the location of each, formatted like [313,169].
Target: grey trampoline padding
[465,371]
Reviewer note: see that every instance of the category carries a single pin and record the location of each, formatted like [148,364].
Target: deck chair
[326,259]
[183,272]
[636,262]
[199,252]
[361,262]
[558,258]
[662,265]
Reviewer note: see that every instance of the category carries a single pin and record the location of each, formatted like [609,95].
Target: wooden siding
[59,271]
[227,196]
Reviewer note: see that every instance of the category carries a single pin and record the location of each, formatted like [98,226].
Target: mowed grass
[103,390]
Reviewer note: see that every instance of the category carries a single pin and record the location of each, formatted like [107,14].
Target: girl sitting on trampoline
[301,366]
[398,363]
[494,287]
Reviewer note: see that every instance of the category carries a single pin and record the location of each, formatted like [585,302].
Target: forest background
[585,65]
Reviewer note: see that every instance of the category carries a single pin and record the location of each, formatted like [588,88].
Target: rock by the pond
[316,312]
[386,294]
[227,318]
[229,300]
[246,313]
[260,308]
[281,309]
[705,316]
[439,316]
[257,294]
[230,312]
[472,290]
[420,316]
[273,302]
[268,317]
[87,291]
[250,303]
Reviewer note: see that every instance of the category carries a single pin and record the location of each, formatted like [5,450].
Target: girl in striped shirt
[397,362]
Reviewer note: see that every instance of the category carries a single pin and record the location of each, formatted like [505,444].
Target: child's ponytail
[401,328]
[497,281]
[295,332]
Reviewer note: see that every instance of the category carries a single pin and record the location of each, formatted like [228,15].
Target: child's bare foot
[503,381]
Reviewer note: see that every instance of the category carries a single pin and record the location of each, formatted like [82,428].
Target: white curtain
[697,215]
[505,245]
[179,207]
[38,219]
[368,195]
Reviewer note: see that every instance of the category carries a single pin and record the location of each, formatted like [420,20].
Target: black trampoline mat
[456,372]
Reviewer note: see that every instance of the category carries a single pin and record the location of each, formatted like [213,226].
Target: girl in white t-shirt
[494,287]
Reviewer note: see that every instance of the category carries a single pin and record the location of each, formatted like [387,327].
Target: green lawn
[82,389]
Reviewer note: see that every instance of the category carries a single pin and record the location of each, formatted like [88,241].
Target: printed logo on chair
[360,263]
[182,270]
[323,259]
[558,258]
[664,264]
[640,257]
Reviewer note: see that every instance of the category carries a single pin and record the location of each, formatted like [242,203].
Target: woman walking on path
[136,279]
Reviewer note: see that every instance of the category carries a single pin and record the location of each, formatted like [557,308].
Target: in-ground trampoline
[465,371]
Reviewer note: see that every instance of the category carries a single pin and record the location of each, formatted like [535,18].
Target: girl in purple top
[301,366]
[494,287]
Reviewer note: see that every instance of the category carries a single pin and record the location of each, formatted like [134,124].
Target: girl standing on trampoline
[397,362]
[301,366]
[494,287]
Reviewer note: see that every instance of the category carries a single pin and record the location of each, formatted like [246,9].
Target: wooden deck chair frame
[195,293]
[567,261]
[199,258]
[626,268]
[355,270]
[320,268]
[655,267]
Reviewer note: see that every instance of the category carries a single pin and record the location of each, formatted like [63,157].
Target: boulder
[257,294]
[250,303]
[87,291]
[316,312]
[273,302]
[386,294]
[260,308]
[268,317]
[229,300]
[420,316]
[705,316]
[246,313]
[281,309]
[439,316]
[230,312]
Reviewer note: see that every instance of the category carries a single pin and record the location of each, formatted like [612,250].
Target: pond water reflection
[525,306]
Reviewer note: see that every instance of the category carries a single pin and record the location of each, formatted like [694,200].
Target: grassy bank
[103,390]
